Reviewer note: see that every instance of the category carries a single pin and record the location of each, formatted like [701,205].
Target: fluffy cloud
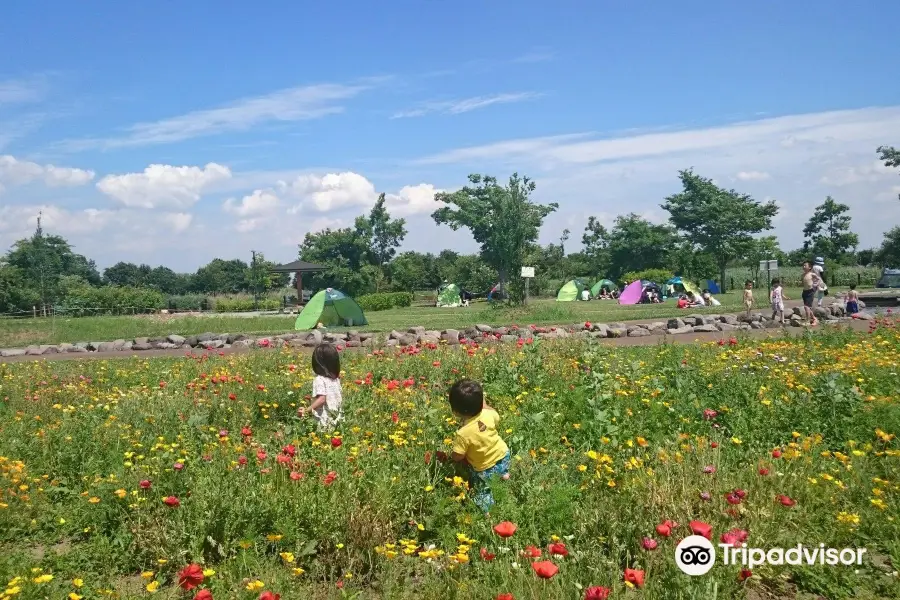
[412,200]
[752,175]
[163,185]
[20,172]
[258,203]
[330,192]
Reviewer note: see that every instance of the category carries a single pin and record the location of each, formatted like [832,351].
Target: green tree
[411,271]
[764,248]
[503,220]
[636,244]
[168,281]
[720,222]
[221,277]
[596,248]
[890,156]
[15,295]
[866,257]
[827,233]
[889,253]
[470,272]
[127,274]
[345,255]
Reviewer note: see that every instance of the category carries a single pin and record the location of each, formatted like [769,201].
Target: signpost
[527,273]
[768,266]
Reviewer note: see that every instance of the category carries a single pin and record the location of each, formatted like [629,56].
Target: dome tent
[603,283]
[682,285]
[571,291]
[449,295]
[330,307]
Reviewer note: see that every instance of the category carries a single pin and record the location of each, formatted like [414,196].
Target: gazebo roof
[296,266]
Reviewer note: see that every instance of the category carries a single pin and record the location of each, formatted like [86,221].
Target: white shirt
[699,301]
[777,297]
[712,301]
[585,295]
[818,270]
[329,413]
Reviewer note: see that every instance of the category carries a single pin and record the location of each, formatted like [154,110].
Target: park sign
[528,272]
[768,265]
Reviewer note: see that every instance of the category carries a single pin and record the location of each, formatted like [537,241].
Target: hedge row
[86,300]
[223,305]
[376,302]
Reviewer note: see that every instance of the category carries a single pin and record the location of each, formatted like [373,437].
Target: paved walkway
[687,338]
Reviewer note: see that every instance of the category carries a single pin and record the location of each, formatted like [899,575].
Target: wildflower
[172,501]
[597,592]
[287,557]
[558,549]
[94,500]
[505,597]
[178,466]
[329,478]
[545,569]
[734,537]
[152,586]
[147,575]
[336,442]
[649,543]
[487,556]
[254,585]
[45,578]
[145,484]
[745,574]
[78,582]
[267,595]
[701,528]
[776,453]
[190,577]
[73,596]
[505,529]
[531,552]
[634,577]
[785,500]
[203,595]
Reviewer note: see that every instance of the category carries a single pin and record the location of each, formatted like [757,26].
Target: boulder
[754,326]
[730,319]
[191,341]
[548,335]
[160,340]
[798,310]
[141,340]
[864,316]
[9,352]
[501,331]
[709,320]
[617,326]
[768,325]
[367,342]
[638,332]
[680,330]
[509,339]
[798,323]
[142,346]
[93,346]
[730,327]
[675,324]
[562,333]
[693,320]
[430,339]
[127,346]
[391,342]
[229,339]
[33,351]
[82,346]
[416,330]
[316,336]
[617,332]
[334,337]
[394,335]
[599,334]
[408,339]
[484,328]
[656,327]
[705,328]
[433,333]
[353,336]
[64,348]
[212,344]
[820,312]
[599,330]
[451,336]
[167,346]
[180,340]
[245,343]
[49,349]
[205,337]
[108,347]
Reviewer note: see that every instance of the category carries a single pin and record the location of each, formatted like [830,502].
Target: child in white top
[778,299]
[326,388]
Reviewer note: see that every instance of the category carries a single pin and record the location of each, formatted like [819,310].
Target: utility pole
[254,276]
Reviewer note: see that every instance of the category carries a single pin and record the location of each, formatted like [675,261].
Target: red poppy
[733,341]
[290,450]
[261,387]
[162,384]
[634,577]
[598,592]
[505,529]
[329,478]
[701,528]
[261,455]
[178,466]
[267,595]
[203,595]
[545,569]
[665,528]
[246,431]
[190,577]
[714,444]
[428,457]
[587,324]
[734,537]
[436,363]
[721,342]
[531,552]
[231,396]
[145,484]
[732,498]
[776,453]
[485,555]
[295,476]
[242,460]
[786,500]
[745,574]
[336,442]
[172,501]
[505,597]
[763,471]
[395,417]
[558,549]
[649,543]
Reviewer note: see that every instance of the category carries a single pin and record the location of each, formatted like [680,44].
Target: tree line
[709,229]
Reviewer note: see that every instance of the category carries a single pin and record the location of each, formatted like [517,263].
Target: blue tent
[713,287]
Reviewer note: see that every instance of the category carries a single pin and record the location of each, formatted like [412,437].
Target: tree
[596,247]
[503,220]
[866,257]
[764,248]
[636,244]
[386,234]
[413,271]
[890,156]
[470,272]
[889,253]
[15,295]
[127,274]
[827,233]
[345,255]
[720,222]
[168,281]
[221,277]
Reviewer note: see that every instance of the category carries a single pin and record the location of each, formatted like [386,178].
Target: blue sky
[176,132]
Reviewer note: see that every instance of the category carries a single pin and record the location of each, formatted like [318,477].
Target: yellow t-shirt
[479,441]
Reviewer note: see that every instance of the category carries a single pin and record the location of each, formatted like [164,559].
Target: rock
[451,336]
[49,349]
[656,327]
[548,335]
[433,333]
[366,336]
[245,343]
[709,320]
[797,322]
[797,310]
[562,333]
[316,336]
[391,342]
[141,340]
[598,334]
[335,337]
[754,326]
[820,312]
[730,327]
[212,344]
[638,332]
[231,338]
[9,352]
[353,336]
[353,344]
[864,316]
[416,330]
[484,328]
[160,340]
[205,337]
[127,346]
[408,339]
[191,341]
[367,342]
[140,346]
[64,348]
[167,346]
[768,325]
[599,331]
[705,328]
[429,339]
[33,351]
[394,335]
[617,332]
[501,331]
[82,346]
[680,330]
[92,346]
[693,320]
[284,337]
[675,324]
[509,339]
[730,319]
[108,347]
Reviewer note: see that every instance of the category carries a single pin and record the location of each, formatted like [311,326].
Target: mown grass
[607,443]
[23,332]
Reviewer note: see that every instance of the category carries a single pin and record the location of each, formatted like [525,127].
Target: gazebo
[298,267]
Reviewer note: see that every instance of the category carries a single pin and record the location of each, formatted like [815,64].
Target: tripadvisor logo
[696,555]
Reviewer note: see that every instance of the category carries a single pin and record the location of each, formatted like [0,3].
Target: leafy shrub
[86,300]
[659,276]
[188,302]
[244,304]
[376,302]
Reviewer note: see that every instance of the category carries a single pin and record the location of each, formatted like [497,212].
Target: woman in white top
[327,399]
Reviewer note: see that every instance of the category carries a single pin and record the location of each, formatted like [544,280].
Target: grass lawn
[543,311]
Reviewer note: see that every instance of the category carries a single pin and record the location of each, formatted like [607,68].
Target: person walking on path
[810,287]
[819,270]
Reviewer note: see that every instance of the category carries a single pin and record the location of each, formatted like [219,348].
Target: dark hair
[748,282]
[852,286]
[776,281]
[706,291]
[326,361]
[466,397]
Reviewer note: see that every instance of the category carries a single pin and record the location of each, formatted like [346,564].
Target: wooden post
[299,278]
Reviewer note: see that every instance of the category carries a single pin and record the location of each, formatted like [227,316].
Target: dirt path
[688,338]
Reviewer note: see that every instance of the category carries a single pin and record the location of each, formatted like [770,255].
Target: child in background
[748,296]
[477,442]
[326,388]
[778,299]
[852,300]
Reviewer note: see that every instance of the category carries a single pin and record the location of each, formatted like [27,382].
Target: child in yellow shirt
[477,442]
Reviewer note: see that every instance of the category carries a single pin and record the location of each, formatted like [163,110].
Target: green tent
[571,291]
[609,285]
[449,295]
[330,307]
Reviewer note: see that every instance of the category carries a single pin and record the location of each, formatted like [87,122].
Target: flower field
[193,477]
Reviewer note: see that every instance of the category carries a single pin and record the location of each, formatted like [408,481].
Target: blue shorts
[480,482]
[852,307]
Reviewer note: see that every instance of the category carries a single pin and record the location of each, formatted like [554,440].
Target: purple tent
[632,293]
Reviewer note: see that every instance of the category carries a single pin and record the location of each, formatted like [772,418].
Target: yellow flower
[12,591]
[147,574]
[78,582]
[254,585]
[43,578]
[274,537]
[208,572]
[120,493]
[287,557]
[736,441]
[152,586]
[298,571]
[94,500]
[429,488]
[74,596]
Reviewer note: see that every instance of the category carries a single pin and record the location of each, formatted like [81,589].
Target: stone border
[694,323]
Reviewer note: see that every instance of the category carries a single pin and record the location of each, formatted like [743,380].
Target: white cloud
[455,107]
[258,203]
[20,172]
[843,176]
[163,185]
[330,192]
[16,91]
[292,104]
[412,200]
[752,175]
